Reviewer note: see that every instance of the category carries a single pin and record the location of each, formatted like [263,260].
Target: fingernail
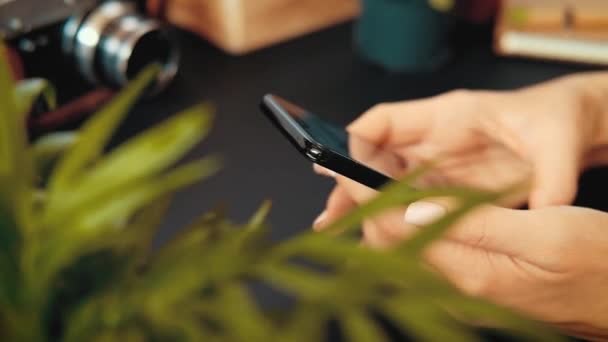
[422,213]
[320,219]
[332,174]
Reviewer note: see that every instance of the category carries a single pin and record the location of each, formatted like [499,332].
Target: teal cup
[403,35]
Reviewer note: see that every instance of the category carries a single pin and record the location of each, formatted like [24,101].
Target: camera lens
[131,43]
[112,43]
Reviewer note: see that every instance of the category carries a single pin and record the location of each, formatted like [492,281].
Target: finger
[374,236]
[556,169]
[501,230]
[385,160]
[357,192]
[339,203]
[477,272]
[500,278]
[395,124]
[465,267]
[320,170]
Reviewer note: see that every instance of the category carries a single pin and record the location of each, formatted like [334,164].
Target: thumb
[556,170]
[395,124]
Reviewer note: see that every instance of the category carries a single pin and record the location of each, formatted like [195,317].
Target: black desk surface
[322,72]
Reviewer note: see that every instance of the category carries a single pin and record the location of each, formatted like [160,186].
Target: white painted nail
[320,219]
[423,213]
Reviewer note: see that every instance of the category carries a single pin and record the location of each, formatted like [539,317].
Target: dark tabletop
[323,73]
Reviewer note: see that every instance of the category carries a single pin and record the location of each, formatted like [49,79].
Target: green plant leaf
[29,90]
[144,156]
[173,325]
[260,216]
[306,323]
[150,152]
[96,132]
[175,273]
[15,163]
[10,241]
[116,205]
[48,149]
[396,194]
[335,252]
[50,146]
[306,284]
[104,217]
[191,237]
[9,125]
[250,324]
[101,314]
[475,311]
[360,327]
[139,233]
[425,321]
[88,276]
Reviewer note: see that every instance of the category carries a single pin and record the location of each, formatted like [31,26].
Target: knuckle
[379,108]
[460,94]
[463,99]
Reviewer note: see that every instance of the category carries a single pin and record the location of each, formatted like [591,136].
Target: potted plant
[76,261]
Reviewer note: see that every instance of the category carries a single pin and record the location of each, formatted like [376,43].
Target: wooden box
[241,26]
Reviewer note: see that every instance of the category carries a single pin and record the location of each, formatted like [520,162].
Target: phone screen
[302,127]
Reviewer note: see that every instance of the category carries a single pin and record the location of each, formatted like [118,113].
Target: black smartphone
[329,145]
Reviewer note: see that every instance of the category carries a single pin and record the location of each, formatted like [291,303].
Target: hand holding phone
[331,146]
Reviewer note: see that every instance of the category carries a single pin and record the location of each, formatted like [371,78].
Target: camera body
[85,44]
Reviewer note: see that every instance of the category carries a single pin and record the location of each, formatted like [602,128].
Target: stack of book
[573,31]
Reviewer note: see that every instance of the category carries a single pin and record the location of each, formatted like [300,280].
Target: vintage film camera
[104,42]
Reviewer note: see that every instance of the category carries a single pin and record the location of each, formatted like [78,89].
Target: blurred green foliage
[76,262]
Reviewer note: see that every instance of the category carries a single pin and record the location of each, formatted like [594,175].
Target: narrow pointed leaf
[305,284]
[396,194]
[260,216]
[478,311]
[150,152]
[29,90]
[360,327]
[52,145]
[425,321]
[16,175]
[240,316]
[118,204]
[94,220]
[48,149]
[306,323]
[9,125]
[96,133]
[433,231]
